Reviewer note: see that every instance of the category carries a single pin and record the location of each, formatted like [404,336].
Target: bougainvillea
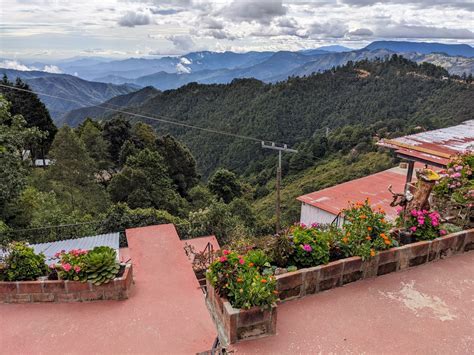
[365,230]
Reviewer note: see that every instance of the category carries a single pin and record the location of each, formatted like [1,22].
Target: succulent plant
[101,265]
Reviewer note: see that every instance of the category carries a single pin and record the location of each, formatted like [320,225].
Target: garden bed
[312,280]
[234,325]
[65,290]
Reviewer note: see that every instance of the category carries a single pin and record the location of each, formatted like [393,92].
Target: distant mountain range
[82,92]
[121,77]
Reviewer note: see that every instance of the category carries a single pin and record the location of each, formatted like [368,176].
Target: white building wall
[311,214]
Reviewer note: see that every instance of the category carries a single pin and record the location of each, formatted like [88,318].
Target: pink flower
[307,247]
[223,259]
[226,252]
[66,267]
[57,255]
[241,261]
[414,213]
[52,266]
[413,229]
[442,232]
[314,225]
[302,225]
[458,167]
[399,209]
[77,268]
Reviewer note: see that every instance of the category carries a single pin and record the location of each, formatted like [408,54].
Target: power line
[162,119]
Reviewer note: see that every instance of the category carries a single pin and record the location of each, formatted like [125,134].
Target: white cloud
[52,69]
[13,64]
[254,10]
[182,42]
[132,19]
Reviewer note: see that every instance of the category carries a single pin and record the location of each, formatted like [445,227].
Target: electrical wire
[158,118]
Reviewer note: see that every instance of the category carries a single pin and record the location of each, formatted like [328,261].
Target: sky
[56,29]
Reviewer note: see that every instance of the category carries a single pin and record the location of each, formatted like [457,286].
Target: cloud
[262,11]
[16,65]
[362,32]
[132,19]
[52,69]
[13,64]
[182,42]
[211,23]
[460,4]
[164,12]
[334,29]
[408,31]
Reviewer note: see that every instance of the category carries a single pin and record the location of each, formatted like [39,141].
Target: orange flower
[239,279]
[388,242]
[372,252]
[251,264]
[369,228]
[383,235]
[362,216]
[345,240]
[263,281]
[368,237]
[348,234]
[275,292]
[383,220]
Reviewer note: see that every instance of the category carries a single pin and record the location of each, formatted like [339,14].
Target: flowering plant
[425,224]
[365,230]
[457,181]
[239,279]
[71,265]
[310,248]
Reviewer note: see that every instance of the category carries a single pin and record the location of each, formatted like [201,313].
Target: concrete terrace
[428,309]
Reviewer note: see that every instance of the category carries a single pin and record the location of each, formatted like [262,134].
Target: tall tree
[181,163]
[225,185]
[33,110]
[116,132]
[14,138]
[144,182]
[72,173]
[96,145]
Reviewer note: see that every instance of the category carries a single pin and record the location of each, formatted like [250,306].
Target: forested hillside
[122,172]
[384,97]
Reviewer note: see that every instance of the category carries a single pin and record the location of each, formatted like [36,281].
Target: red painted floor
[166,313]
[425,310]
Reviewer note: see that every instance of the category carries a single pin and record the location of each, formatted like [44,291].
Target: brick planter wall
[66,291]
[234,325]
[312,280]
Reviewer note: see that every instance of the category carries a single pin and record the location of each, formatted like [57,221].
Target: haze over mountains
[95,80]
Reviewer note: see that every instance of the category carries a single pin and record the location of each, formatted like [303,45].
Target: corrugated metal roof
[86,243]
[375,187]
[434,146]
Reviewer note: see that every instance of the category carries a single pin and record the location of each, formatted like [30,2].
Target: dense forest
[119,172]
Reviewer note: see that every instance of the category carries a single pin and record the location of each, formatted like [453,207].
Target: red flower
[223,259]
[226,252]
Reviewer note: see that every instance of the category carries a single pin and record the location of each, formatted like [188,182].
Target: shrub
[238,279]
[71,265]
[98,265]
[365,231]
[282,250]
[310,246]
[258,258]
[457,182]
[23,264]
[424,224]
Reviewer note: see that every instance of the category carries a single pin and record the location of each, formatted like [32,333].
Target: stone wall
[66,291]
[337,273]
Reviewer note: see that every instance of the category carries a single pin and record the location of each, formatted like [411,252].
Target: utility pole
[280,149]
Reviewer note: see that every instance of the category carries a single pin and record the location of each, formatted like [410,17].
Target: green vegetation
[119,173]
[22,264]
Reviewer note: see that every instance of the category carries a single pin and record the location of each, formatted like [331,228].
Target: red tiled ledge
[234,325]
[312,280]
[66,291]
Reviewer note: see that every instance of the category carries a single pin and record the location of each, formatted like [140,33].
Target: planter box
[66,291]
[234,325]
[312,280]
